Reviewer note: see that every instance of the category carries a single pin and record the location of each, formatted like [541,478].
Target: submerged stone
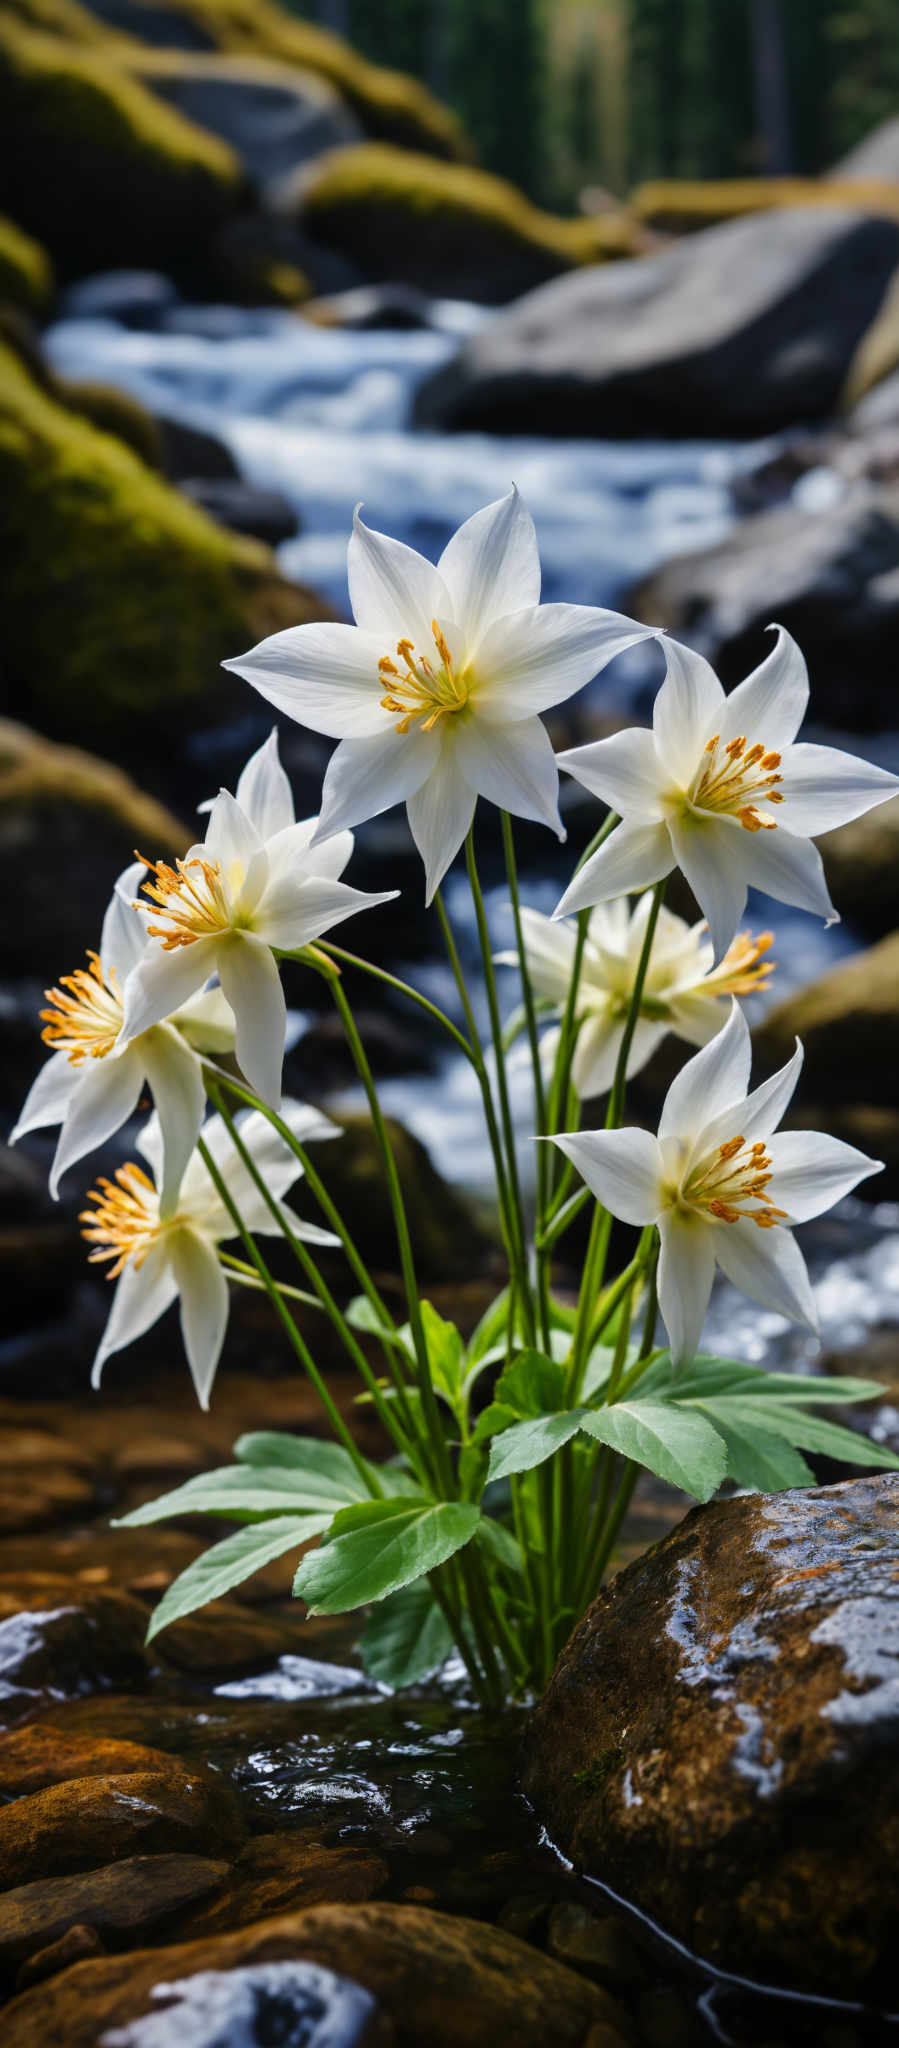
[88,1821]
[126,1899]
[720,1739]
[61,1645]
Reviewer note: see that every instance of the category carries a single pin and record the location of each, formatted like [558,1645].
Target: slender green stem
[515,1203]
[616,1099]
[480,1066]
[403,988]
[241,1271]
[564,1217]
[541,1264]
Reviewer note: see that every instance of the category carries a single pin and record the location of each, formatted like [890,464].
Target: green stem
[564,1217]
[515,1203]
[480,1067]
[542,1272]
[403,988]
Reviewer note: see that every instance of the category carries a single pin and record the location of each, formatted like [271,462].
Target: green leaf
[361,1315]
[376,1548]
[810,1432]
[446,1354]
[499,1540]
[228,1563]
[245,1494]
[314,1456]
[490,1329]
[664,1437]
[762,1461]
[407,1638]
[530,1443]
[491,1420]
[532,1385]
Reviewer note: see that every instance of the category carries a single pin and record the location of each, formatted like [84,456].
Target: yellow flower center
[192,899]
[125,1220]
[730,1181]
[735,779]
[86,1016]
[742,971]
[420,691]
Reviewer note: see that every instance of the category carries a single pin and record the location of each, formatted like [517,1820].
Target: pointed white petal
[633,857]
[149,1144]
[439,814]
[790,869]
[252,986]
[713,855]
[176,1079]
[825,788]
[263,791]
[549,947]
[124,939]
[272,1156]
[491,566]
[324,676]
[142,1295]
[204,1306]
[206,1022]
[310,1233]
[622,1168]
[761,1112]
[231,837]
[513,766]
[624,771]
[698,1018]
[685,710]
[809,1172]
[712,1081]
[106,1096]
[596,1055]
[686,1272]
[395,593]
[302,908]
[540,656]
[294,848]
[771,704]
[768,1266]
[366,776]
[162,982]
[48,1097]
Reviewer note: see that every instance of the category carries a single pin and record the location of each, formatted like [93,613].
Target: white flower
[683,991]
[257,882]
[434,693]
[719,790]
[721,1189]
[93,1080]
[154,1259]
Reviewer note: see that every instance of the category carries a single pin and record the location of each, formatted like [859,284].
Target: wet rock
[719,1737]
[225,1637]
[189,451]
[67,1642]
[43,1754]
[32,1500]
[597,1943]
[124,1901]
[272,117]
[282,1873]
[88,1821]
[446,1240]
[442,1980]
[861,861]
[371,307]
[847,1022]
[256,2004]
[71,1947]
[135,298]
[742,329]
[876,156]
[244,508]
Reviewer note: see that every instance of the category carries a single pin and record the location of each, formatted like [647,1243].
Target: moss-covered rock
[447,228]
[97,167]
[680,206]
[26,273]
[120,597]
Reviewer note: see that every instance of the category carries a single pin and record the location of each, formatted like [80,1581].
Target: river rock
[742,329]
[847,1022]
[86,1822]
[272,116]
[876,156]
[719,1738]
[446,1239]
[68,1641]
[830,576]
[281,1874]
[40,1754]
[127,1899]
[441,1979]
[134,298]
[861,861]
[244,508]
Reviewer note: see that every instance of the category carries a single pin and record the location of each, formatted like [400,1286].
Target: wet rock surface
[720,1735]
[120,1901]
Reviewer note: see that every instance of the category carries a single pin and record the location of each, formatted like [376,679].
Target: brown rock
[70,1948]
[861,862]
[443,1980]
[88,1821]
[127,1899]
[139,1560]
[226,1636]
[281,1874]
[40,1755]
[719,1737]
[65,1642]
[31,1500]
[847,1022]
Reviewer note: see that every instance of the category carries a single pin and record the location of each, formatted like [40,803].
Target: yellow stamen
[192,898]
[425,693]
[729,1181]
[125,1220]
[735,780]
[743,969]
[86,1016]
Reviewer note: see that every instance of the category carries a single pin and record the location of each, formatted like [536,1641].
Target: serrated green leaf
[530,1443]
[376,1548]
[228,1563]
[407,1638]
[532,1385]
[491,1420]
[314,1455]
[762,1461]
[664,1437]
[809,1432]
[446,1354]
[244,1493]
[495,1537]
[490,1329]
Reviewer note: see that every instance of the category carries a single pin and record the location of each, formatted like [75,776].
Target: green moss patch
[26,273]
[682,205]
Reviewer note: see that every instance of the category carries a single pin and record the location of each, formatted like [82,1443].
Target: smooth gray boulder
[741,330]
[273,116]
[876,157]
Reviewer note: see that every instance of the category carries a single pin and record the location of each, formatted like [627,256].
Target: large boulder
[861,861]
[876,157]
[272,116]
[830,576]
[740,330]
[720,1738]
[848,1023]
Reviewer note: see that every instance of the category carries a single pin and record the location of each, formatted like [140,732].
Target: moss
[120,597]
[34,770]
[447,227]
[681,205]
[114,412]
[26,273]
[592,1777]
[96,166]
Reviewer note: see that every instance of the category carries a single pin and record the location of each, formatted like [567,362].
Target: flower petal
[491,566]
[366,776]
[624,771]
[768,1266]
[162,982]
[395,593]
[440,814]
[124,939]
[294,847]
[300,908]
[231,837]
[810,1171]
[106,1096]
[206,1021]
[540,656]
[252,986]
[622,1168]
[263,791]
[48,1097]
[549,947]
[790,869]
[825,787]
[771,704]
[712,854]
[633,857]
[204,1306]
[596,1055]
[686,1272]
[513,766]
[712,1081]
[176,1078]
[761,1112]
[324,676]
[142,1295]
[689,701]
